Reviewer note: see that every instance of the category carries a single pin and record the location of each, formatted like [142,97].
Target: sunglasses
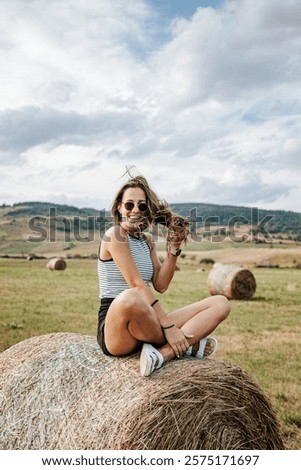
[142,206]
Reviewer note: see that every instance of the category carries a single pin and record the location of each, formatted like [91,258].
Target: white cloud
[211,114]
[77,48]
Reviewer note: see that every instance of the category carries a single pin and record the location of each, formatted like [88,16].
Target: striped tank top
[112,282]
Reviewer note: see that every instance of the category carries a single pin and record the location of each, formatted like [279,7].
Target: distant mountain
[32,208]
[276,221]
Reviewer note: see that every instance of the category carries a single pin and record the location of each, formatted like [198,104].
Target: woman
[130,317]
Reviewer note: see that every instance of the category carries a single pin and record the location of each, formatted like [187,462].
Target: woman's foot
[150,359]
[204,348]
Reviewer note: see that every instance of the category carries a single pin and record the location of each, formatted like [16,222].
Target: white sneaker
[150,359]
[200,353]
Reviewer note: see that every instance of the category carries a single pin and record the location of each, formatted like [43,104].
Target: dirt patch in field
[282,257]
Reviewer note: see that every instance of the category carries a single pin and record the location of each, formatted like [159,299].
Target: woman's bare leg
[129,321]
[198,319]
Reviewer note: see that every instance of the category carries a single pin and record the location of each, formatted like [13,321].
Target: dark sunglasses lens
[143,207]
[129,206]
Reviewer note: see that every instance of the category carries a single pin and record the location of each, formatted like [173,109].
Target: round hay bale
[234,282]
[57,264]
[59,391]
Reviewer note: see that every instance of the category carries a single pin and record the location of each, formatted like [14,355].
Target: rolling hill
[44,227]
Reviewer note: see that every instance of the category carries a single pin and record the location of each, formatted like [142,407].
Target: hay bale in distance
[59,391]
[234,282]
[57,264]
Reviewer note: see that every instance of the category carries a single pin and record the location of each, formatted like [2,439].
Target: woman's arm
[163,272]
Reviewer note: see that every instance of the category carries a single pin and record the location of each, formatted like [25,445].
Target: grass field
[261,335]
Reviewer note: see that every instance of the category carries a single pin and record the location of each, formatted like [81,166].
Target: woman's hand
[177,340]
[178,230]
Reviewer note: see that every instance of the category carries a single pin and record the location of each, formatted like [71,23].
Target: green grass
[261,335]
[35,300]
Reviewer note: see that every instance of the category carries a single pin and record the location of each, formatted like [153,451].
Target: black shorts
[102,312]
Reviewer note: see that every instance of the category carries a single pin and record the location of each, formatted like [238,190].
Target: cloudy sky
[203,97]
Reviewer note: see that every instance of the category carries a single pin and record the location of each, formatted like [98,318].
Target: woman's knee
[131,301]
[222,306]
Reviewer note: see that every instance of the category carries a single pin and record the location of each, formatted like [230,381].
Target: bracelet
[154,302]
[167,327]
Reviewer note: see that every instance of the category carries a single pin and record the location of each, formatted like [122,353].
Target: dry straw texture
[234,282]
[60,392]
